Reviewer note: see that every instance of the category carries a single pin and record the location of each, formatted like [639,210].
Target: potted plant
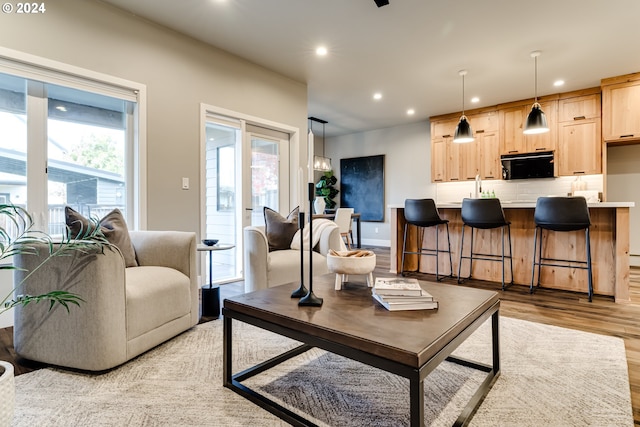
[17,236]
[325,189]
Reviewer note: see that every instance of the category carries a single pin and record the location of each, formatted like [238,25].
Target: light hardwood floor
[565,309]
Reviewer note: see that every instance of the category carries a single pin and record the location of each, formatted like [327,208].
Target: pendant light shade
[321,163]
[463,130]
[536,120]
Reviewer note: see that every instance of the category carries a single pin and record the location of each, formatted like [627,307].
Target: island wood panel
[609,251]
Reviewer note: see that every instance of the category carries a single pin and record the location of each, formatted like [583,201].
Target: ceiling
[412,50]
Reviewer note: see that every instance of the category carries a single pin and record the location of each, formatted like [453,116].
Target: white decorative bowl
[343,266]
[351,265]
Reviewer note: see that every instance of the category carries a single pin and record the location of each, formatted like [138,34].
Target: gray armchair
[126,310]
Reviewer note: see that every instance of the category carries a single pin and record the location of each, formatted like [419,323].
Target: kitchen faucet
[478,186]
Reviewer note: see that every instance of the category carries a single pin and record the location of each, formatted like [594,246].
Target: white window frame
[37,68]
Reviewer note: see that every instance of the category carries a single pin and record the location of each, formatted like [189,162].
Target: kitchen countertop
[527,205]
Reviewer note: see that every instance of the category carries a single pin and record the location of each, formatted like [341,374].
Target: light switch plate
[185,183]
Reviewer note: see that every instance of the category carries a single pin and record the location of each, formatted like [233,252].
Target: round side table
[211,292]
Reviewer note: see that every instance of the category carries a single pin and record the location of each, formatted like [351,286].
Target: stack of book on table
[402,293]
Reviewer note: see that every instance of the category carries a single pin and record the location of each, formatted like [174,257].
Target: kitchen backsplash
[524,190]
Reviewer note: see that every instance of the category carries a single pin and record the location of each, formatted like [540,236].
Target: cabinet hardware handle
[454,179]
[626,136]
[489,176]
[541,149]
[578,172]
[579,118]
[480,131]
[513,151]
[446,136]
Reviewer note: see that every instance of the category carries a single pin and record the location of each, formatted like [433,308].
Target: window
[226,178]
[70,144]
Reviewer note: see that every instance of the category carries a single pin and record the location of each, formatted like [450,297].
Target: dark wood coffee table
[350,323]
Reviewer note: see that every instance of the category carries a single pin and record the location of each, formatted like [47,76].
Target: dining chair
[343,220]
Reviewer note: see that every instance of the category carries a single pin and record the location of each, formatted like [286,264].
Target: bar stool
[484,214]
[422,213]
[561,214]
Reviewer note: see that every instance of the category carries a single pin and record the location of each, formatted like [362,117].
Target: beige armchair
[126,310]
[264,269]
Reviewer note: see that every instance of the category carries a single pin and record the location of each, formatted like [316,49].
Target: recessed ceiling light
[321,51]
[377,96]
[411,111]
[558,83]
[475,99]
[61,108]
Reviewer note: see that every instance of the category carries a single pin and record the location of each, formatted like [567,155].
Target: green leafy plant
[17,236]
[325,188]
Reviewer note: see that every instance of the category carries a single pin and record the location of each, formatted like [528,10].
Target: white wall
[623,176]
[407,167]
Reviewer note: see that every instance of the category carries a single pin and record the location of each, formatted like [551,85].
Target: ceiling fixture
[320,163]
[463,130]
[381,3]
[536,120]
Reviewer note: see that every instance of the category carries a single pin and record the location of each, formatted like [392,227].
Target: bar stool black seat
[561,214]
[484,214]
[422,213]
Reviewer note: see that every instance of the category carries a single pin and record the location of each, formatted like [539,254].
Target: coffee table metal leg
[416,398]
[227,356]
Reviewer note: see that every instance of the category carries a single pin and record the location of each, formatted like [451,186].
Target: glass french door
[269,182]
[246,169]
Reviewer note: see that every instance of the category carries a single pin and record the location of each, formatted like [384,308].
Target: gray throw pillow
[113,227]
[280,230]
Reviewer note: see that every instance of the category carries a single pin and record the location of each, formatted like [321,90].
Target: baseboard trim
[376,242]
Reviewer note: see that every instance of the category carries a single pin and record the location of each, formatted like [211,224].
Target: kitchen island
[609,248]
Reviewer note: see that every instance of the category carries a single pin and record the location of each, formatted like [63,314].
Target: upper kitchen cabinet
[512,120]
[579,133]
[621,109]
[441,135]
[487,158]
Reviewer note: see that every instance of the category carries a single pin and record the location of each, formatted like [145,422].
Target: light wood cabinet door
[444,129]
[511,125]
[579,148]
[512,138]
[484,122]
[621,112]
[489,150]
[453,161]
[579,108]
[469,162]
[438,160]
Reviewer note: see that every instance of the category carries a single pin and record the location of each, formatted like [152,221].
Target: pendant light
[536,120]
[463,130]
[321,163]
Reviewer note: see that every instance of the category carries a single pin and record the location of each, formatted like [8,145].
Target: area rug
[550,376]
